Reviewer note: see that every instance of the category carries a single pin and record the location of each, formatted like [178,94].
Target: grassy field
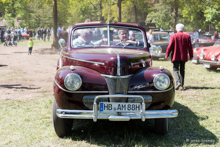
[29,122]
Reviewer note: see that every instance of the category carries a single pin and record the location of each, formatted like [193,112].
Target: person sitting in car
[84,39]
[124,39]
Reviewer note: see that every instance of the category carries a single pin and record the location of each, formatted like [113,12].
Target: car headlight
[72,81]
[161,81]
[201,56]
[202,50]
[213,57]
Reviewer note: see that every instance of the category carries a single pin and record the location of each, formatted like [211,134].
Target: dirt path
[24,76]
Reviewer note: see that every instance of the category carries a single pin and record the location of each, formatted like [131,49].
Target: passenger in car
[124,36]
[84,39]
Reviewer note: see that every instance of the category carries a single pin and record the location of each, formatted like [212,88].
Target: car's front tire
[62,126]
[161,126]
[212,68]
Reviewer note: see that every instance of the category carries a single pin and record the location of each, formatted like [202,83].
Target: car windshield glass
[104,36]
[161,37]
[217,43]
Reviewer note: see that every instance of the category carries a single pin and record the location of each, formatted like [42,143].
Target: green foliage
[193,13]
[212,15]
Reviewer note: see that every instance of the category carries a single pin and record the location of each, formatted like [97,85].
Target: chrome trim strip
[130,92]
[209,62]
[78,91]
[82,60]
[115,77]
[119,63]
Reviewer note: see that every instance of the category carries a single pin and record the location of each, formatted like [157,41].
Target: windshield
[105,36]
[217,43]
[161,37]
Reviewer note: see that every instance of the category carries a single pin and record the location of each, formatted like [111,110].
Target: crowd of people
[12,35]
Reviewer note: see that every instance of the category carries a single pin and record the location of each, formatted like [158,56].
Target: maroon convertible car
[101,76]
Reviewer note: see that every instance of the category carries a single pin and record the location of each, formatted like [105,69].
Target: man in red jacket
[179,47]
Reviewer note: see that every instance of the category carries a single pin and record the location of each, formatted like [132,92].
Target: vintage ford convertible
[104,77]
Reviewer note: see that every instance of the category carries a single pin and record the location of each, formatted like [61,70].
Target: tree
[55,39]
[119,8]
[212,14]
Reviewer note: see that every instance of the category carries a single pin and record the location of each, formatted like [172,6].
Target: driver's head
[123,34]
[86,35]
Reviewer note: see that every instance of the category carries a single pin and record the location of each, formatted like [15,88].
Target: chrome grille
[117,85]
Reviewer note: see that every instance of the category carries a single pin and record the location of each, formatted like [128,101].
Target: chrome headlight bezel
[70,80]
[165,80]
[201,56]
[213,57]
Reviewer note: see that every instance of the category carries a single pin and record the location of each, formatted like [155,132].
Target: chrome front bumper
[209,62]
[116,116]
[155,54]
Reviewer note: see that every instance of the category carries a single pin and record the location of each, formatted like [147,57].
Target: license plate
[194,61]
[119,107]
[206,65]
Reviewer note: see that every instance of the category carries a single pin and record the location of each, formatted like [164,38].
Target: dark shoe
[182,88]
[178,86]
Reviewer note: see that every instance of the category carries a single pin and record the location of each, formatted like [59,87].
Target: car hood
[109,61]
[215,52]
[206,49]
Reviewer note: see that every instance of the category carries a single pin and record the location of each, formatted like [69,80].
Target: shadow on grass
[183,130]
[17,86]
[3,65]
[195,87]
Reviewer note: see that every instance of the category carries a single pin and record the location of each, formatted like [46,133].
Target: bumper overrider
[96,114]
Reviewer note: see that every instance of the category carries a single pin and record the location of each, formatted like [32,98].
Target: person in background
[44,32]
[63,35]
[131,35]
[48,34]
[51,32]
[179,47]
[34,33]
[19,37]
[88,20]
[216,35]
[150,37]
[2,32]
[39,32]
[30,45]
[30,33]
[59,29]
[12,37]
[196,37]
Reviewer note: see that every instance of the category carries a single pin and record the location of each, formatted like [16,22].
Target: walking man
[179,47]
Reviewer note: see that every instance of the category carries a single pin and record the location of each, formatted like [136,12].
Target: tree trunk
[119,10]
[135,13]
[55,38]
[175,14]
[100,11]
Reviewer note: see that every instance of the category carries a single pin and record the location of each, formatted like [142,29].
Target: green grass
[29,122]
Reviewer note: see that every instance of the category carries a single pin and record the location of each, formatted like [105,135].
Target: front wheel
[212,68]
[161,126]
[62,126]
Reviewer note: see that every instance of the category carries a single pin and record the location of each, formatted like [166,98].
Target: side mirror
[62,43]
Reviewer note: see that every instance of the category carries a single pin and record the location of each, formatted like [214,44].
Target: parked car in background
[211,59]
[159,47]
[197,51]
[203,41]
[25,36]
[109,79]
